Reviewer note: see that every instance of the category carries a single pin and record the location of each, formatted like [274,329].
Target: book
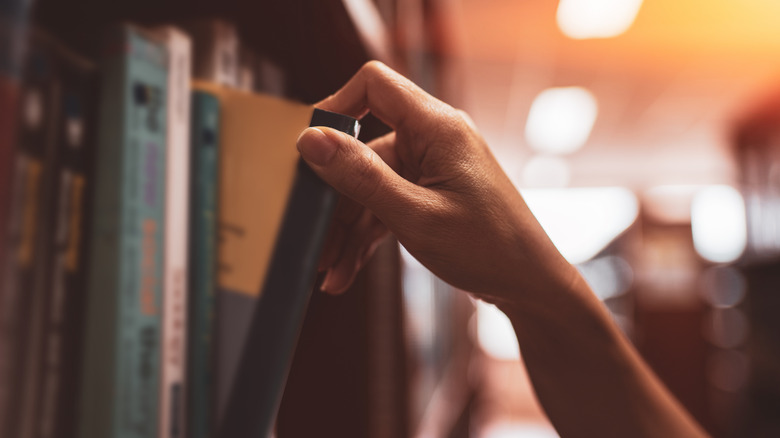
[25,267]
[254,178]
[258,164]
[9,98]
[252,128]
[9,101]
[121,369]
[54,413]
[14,21]
[204,158]
[246,69]
[267,351]
[256,171]
[174,310]
[269,77]
[216,56]
[13,25]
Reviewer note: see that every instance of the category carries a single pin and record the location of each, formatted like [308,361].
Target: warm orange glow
[718,26]
[668,88]
[497,29]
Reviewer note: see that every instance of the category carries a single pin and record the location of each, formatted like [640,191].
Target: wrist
[558,304]
[549,282]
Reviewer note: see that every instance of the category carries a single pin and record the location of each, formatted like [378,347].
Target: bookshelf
[317,44]
[352,371]
[756,147]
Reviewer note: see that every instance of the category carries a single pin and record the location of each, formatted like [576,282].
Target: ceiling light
[546,171]
[670,203]
[561,119]
[581,19]
[718,224]
[583,221]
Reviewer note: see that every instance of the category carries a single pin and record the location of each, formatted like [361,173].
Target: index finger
[392,98]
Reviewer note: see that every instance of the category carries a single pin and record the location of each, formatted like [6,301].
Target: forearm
[434,183]
[587,376]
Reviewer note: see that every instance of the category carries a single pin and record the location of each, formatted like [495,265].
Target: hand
[435,185]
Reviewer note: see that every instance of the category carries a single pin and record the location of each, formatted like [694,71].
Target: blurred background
[645,137]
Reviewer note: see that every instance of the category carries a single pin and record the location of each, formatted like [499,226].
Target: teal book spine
[203,209]
[121,372]
[14,21]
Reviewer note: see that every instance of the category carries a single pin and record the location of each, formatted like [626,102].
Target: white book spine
[174,321]
[246,70]
[226,55]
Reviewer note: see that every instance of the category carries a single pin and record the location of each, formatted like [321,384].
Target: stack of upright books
[160,233]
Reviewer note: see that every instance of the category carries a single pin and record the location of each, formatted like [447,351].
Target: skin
[435,185]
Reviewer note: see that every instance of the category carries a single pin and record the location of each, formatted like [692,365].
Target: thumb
[353,169]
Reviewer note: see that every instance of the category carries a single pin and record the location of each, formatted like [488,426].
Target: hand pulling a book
[435,185]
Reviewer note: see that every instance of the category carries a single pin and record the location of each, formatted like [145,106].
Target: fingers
[389,96]
[355,170]
[384,146]
[358,246]
[368,175]
[348,211]
[334,244]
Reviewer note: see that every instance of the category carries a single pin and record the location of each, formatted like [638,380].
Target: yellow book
[258,160]
[272,218]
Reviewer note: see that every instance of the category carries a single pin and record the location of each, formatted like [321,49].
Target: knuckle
[454,129]
[374,68]
[462,127]
[466,119]
[459,118]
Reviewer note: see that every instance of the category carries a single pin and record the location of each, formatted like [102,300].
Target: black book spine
[279,312]
[65,250]
[25,264]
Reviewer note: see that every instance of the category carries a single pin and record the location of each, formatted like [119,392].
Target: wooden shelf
[318,44]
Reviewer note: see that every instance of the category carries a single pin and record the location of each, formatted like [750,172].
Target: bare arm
[587,376]
[435,185]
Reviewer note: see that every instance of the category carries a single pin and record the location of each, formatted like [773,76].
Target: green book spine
[203,205]
[121,374]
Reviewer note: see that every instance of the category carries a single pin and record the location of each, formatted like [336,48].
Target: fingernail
[316,147]
[324,285]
